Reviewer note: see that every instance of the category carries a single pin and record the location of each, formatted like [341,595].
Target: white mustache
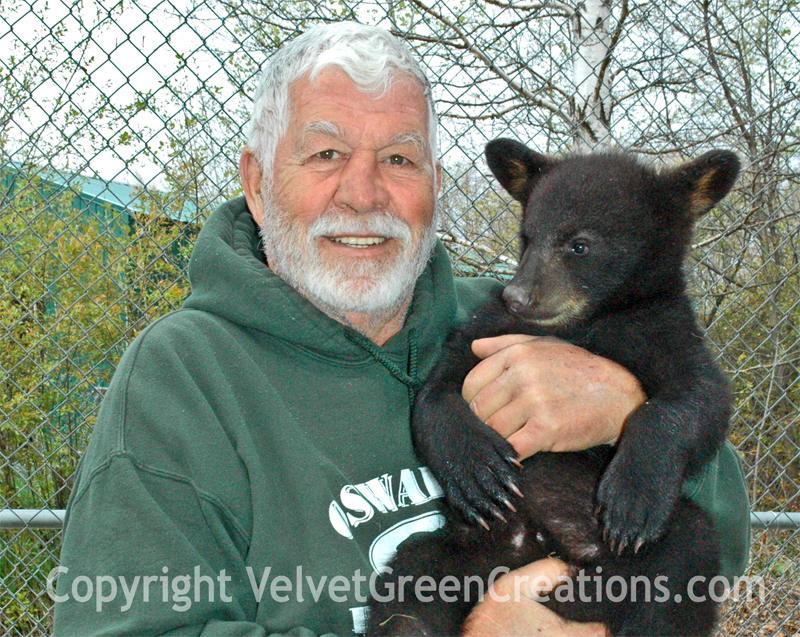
[369,286]
[339,223]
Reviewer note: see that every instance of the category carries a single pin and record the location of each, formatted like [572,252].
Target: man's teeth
[359,242]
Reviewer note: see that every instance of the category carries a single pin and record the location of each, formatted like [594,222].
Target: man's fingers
[484,373]
[493,399]
[529,439]
[545,574]
[533,580]
[495,362]
[511,610]
[508,419]
[485,347]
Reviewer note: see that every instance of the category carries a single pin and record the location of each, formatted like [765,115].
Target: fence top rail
[54,519]
[32,518]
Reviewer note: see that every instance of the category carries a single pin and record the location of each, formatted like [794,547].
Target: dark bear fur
[604,240]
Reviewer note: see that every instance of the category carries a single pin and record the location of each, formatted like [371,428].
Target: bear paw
[477,474]
[635,501]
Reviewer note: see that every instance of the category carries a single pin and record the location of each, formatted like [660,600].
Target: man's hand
[543,394]
[520,615]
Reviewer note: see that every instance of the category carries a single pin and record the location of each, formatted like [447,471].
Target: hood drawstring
[410,379]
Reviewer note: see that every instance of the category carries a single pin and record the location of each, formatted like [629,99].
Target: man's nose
[361,185]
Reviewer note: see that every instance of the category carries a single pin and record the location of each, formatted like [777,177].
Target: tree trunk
[591,42]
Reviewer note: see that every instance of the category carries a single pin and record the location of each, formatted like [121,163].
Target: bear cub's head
[602,231]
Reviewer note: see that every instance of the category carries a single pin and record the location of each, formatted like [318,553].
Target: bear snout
[516,298]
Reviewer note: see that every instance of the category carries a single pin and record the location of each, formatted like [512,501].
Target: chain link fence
[120,127]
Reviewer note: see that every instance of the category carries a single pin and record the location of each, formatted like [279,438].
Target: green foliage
[78,282]
[26,607]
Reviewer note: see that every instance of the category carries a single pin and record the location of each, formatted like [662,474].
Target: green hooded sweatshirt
[251,466]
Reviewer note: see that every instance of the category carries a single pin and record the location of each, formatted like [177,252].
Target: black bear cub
[603,242]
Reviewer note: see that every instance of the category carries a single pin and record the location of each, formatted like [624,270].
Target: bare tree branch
[475,50]
[562,9]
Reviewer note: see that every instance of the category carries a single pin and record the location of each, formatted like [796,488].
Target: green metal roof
[120,195]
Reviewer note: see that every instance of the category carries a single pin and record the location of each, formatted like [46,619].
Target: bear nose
[516,298]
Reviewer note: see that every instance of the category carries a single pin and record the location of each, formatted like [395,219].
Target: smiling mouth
[359,242]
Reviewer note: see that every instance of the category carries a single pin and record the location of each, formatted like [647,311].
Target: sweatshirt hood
[229,278]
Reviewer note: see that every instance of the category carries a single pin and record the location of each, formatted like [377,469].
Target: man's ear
[517,167]
[702,183]
[437,184]
[251,176]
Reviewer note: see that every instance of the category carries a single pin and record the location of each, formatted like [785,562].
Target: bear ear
[516,166]
[703,182]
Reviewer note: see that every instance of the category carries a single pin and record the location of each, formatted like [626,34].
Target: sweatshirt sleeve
[159,523]
[131,521]
[146,553]
[720,491]
[158,528]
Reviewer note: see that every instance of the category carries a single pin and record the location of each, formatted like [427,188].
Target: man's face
[348,219]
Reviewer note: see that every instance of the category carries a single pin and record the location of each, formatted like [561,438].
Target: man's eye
[328,154]
[398,160]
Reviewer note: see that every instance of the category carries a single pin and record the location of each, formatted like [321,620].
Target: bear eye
[580,247]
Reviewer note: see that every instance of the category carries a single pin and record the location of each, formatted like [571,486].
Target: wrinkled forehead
[331,104]
[333,130]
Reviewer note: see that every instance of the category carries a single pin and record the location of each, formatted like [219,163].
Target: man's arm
[543,394]
[148,546]
[126,527]
[158,528]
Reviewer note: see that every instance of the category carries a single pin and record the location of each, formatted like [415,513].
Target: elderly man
[251,467]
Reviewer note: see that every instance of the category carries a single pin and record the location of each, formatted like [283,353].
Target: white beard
[369,286]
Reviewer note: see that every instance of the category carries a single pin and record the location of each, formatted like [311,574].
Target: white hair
[373,59]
